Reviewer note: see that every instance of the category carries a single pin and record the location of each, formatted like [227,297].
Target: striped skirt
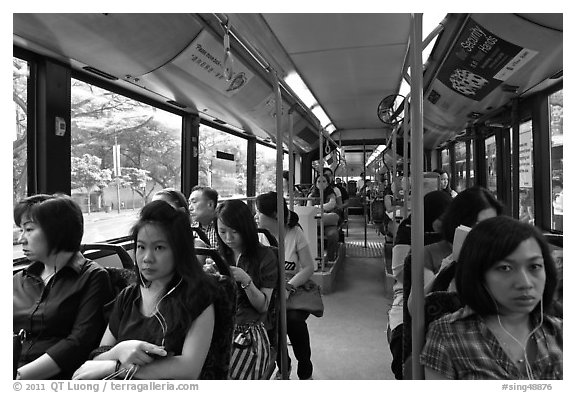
[250,352]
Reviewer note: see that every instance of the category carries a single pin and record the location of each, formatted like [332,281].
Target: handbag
[307,297]
[17,340]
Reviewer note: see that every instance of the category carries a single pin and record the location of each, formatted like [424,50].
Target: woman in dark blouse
[162,326]
[58,300]
[255,269]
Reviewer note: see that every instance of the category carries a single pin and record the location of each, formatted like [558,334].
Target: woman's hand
[240,275]
[137,352]
[95,369]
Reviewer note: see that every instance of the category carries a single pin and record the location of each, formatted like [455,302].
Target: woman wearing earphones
[162,326]
[506,280]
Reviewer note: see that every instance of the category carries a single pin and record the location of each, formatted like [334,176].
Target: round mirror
[391,109]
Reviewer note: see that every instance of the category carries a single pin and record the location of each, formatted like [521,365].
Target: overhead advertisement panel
[204,58]
[480,61]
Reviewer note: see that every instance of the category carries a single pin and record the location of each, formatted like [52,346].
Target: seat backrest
[109,249]
[217,363]
[437,304]
[399,253]
[202,235]
[221,265]
[271,239]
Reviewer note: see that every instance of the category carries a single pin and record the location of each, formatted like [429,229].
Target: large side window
[222,162]
[20,73]
[556,117]
[265,169]
[460,157]
[491,169]
[123,151]
[526,197]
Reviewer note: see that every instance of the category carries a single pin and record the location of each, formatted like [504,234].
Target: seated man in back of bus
[202,202]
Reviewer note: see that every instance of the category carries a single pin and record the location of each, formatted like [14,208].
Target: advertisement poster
[204,59]
[480,61]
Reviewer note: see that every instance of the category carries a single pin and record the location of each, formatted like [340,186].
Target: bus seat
[271,239]
[103,250]
[201,235]
[272,322]
[217,363]
[439,303]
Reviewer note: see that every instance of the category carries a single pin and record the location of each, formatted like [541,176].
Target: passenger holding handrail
[162,326]
[59,299]
[299,266]
[331,217]
[255,270]
[505,278]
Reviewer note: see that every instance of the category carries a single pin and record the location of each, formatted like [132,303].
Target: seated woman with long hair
[505,278]
[59,299]
[299,267]
[162,326]
[255,269]
[331,216]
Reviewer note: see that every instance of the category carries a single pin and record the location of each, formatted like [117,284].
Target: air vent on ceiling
[176,104]
[100,73]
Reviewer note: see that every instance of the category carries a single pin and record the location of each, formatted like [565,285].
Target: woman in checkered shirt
[506,281]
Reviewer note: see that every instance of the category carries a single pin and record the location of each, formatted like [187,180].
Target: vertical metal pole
[320,171]
[365,193]
[291,158]
[417,161]
[406,170]
[280,214]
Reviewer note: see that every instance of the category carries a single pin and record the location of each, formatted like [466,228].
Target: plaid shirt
[210,231]
[460,346]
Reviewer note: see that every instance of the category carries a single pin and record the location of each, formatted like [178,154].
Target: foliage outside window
[265,169]
[123,151]
[556,116]
[20,73]
[525,169]
[446,160]
[222,162]
[460,156]
[491,168]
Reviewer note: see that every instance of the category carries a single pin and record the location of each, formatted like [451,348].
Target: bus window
[491,169]
[222,162]
[446,161]
[555,106]
[526,197]
[123,151]
[20,73]
[460,156]
[265,169]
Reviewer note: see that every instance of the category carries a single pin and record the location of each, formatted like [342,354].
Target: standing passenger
[254,267]
[505,278]
[299,268]
[58,300]
[331,216]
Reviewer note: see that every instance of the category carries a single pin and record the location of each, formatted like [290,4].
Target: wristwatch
[244,286]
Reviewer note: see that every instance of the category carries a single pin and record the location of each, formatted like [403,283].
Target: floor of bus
[349,341]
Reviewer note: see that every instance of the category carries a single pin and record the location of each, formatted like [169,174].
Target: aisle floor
[349,341]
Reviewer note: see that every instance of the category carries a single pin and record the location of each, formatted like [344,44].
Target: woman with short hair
[505,278]
[58,300]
